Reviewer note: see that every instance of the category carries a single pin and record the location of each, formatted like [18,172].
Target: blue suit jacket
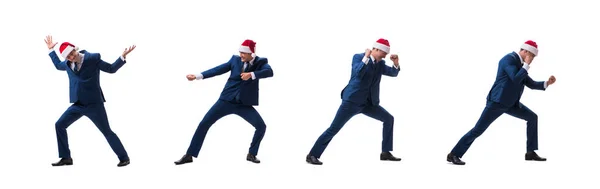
[248,90]
[365,79]
[511,79]
[84,86]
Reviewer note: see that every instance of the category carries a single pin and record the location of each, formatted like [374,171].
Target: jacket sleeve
[516,74]
[264,71]
[59,65]
[390,71]
[358,65]
[537,85]
[107,67]
[218,70]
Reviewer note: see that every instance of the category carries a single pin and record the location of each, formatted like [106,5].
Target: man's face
[246,57]
[73,56]
[378,54]
[526,53]
[530,54]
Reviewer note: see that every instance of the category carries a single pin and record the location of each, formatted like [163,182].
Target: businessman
[361,95]
[504,97]
[238,97]
[83,69]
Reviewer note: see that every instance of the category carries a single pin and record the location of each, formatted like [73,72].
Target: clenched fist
[394,58]
[246,76]
[191,77]
[368,52]
[551,80]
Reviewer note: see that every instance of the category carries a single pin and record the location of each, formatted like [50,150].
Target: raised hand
[394,58]
[127,51]
[49,42]
[368,52]
[551,80]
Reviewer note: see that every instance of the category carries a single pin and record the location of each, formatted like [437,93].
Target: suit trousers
[221,109]
[97,114]
[345,112]
[490,113]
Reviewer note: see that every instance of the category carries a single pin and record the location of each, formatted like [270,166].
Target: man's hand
[368,52]
[127,51]
[551,80]
[394,58]
[246,76]
[49,42]
[191,77]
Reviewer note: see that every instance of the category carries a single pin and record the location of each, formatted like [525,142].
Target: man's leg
[346,111]
[379,113]
[252,116]
[489,115]
[216,112]
[526,114]
[97,114]
[72,114]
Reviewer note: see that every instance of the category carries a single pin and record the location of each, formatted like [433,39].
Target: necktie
[75,67]
[373,64]
[246,65]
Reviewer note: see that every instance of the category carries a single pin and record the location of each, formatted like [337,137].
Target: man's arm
[536,85]
[515,74]
[218,70]
[264,71]
[55,60]
[112,68]
[358,63]
[107,67]
[57,63]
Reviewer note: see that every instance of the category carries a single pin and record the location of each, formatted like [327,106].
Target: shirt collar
[252,61]
[372,58]
[520,59]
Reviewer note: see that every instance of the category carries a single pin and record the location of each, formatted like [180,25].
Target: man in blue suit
[238,97]
[361,95]
[504,97]
[83,69]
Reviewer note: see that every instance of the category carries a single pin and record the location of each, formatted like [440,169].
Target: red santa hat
[530,46]
[248,46]
[382,44]
[66,48]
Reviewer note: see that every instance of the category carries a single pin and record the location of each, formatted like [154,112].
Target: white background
[449,51]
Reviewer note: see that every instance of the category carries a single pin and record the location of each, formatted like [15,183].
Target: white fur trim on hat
[66,52]
[530,48]
[245,49]
[382,47]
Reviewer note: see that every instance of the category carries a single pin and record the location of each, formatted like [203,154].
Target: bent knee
[533,117]
[389,119]
[61,124]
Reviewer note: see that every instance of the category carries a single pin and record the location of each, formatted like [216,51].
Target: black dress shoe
[313,160]
[123,163]
[185,159]
[388,156]
[454,159]
[532,156]
[63,161]
[252,158]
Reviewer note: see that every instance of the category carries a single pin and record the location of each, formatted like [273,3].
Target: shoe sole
[449,160]
[62,165]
